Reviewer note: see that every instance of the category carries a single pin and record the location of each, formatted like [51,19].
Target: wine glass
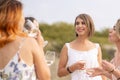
[83,72]
[50,57]
[30,28]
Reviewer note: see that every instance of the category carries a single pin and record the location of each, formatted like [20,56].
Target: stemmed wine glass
[30,28]
[50,57]
[85,76]
[83,72]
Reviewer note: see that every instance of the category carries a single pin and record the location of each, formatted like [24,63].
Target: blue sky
[104,12]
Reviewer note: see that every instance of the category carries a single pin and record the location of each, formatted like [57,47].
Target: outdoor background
[57,34]
[56,19]
[104,12]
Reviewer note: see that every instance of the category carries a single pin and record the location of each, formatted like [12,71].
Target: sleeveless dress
[17,70]
[90,57]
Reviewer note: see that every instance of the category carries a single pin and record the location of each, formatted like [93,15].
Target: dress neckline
[82,50]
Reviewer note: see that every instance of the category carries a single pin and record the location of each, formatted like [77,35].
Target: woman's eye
[83,23]
[114,28]
[77,23]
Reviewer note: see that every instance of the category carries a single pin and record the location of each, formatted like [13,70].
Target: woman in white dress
[81,53]
[110,70]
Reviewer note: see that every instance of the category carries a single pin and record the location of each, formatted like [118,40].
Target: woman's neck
[82,40]
[117,54]
[118,47]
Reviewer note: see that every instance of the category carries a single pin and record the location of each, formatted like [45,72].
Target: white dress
[90,58]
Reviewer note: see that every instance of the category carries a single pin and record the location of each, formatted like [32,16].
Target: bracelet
[118,78]
[69,70]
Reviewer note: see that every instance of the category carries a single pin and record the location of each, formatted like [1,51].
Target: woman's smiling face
[81,28]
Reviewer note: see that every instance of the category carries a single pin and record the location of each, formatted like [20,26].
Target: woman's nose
[80,25]
[110,30]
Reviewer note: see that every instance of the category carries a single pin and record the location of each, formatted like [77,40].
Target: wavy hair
[10,17]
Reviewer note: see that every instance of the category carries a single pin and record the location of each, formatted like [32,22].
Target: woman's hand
[80,65]
[40,39]
[105,70]
[95,71]
[107,66]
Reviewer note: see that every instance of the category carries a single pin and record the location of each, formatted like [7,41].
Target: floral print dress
[17,70]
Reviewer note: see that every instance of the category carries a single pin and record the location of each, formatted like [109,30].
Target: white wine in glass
[50,57]
[30,28]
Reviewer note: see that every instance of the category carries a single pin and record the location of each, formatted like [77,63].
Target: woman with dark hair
[33,20]
[31,27]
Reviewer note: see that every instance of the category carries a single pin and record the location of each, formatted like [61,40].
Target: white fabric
[90,58]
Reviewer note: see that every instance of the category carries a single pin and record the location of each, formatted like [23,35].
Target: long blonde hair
[10,16]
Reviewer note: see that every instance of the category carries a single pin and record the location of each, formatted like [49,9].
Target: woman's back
[17,60]
[21,58]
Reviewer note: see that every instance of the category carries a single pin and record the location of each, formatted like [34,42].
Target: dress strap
[68,45]
[97,45]
[18,52]
[20,46]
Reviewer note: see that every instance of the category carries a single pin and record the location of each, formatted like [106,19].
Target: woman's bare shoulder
[31,42]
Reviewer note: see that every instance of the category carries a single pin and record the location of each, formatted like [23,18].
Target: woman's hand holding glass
[92,72]
[105,69]
[40,39]
[79,65]
[81,69]
[33,31]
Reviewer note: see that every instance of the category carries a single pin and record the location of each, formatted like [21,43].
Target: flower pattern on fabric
[17,70]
